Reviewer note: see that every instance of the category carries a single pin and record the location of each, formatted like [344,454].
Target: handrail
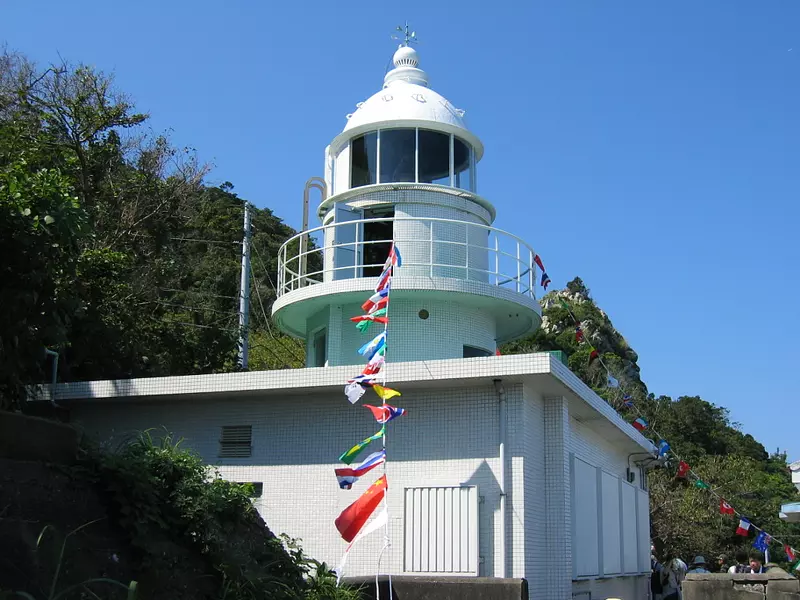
[513,264]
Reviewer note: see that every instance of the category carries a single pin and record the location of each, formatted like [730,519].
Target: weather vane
[408,37]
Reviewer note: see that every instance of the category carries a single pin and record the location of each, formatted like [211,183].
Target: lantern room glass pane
[364,160]
[434,157]
[398,155]
[462,165]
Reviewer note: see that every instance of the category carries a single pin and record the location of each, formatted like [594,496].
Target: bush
[157,488]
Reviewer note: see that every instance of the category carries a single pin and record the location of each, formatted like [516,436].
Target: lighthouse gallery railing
[432,247]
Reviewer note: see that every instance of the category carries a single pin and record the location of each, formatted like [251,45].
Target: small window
[434,157]
[320,348]
[474,352]
[398,155]
[462,165]
[364,160]
[236,441]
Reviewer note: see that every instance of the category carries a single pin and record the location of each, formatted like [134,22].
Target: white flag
[353,391]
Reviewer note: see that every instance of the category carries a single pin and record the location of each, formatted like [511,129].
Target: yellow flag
[385,393]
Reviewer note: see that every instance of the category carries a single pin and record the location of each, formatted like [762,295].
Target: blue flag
[663,448]
[762,541]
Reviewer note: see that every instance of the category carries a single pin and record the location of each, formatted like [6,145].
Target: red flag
[578,334]
[593,355]
[497,352]
[790,553]
[725,508]
[353,518]
[683,469]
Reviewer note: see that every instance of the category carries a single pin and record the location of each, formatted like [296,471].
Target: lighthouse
[404,170]
[506,469]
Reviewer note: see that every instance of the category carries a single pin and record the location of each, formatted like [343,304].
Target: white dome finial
[406,61]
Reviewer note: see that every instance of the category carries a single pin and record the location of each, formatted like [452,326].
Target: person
[741,564]
[699,565]
[656,587]
[672,575]
[756,562]
[722,564]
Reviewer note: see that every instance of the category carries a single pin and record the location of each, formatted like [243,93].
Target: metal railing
[431,247]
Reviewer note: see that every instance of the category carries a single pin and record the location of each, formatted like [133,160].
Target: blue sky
[649,147]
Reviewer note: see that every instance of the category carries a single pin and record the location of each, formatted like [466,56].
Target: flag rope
[383,378]
[376,370]
[635,409]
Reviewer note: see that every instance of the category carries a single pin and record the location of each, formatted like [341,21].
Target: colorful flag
[578,334]
[564,303]
[353,391]
[593,355]
[762,541]
[363,321]
[663,447]
[349,456]
[639,424]
[701,484]
[537,259]
[373,346]
[545,280]
[383,280]
[363,380]
[627,401]
[379,305]
[744,527]
[725,508]
[376,298]
[385,393]
[791,556]
[613,382]
[796,567]
[385,413]
[353,518]
[374,365]
[497,352]
[683,469]
[380,521]
[347,476]
[394,259]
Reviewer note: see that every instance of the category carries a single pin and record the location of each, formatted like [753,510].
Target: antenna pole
[244,292]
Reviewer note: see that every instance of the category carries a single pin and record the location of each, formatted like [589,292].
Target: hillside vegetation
[114,252]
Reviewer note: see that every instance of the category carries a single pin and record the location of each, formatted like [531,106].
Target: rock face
[560,308]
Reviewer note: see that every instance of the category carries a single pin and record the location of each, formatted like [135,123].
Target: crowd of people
[667,577]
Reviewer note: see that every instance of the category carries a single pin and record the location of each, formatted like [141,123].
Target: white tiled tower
[404,170]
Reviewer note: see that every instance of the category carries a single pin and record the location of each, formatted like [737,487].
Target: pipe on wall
[501,474]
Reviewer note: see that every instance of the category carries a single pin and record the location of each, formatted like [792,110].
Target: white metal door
[346,242]
[441,530]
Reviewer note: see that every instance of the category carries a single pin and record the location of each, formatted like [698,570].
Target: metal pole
[244,292]
[318,183]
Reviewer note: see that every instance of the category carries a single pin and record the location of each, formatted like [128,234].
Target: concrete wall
[773,585]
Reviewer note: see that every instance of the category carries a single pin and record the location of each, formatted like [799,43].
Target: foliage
[157,489]
[685,520]
[113,250]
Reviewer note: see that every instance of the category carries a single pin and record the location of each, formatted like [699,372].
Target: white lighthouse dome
[406,100]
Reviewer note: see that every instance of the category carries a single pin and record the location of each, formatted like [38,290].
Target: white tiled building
[504,466]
